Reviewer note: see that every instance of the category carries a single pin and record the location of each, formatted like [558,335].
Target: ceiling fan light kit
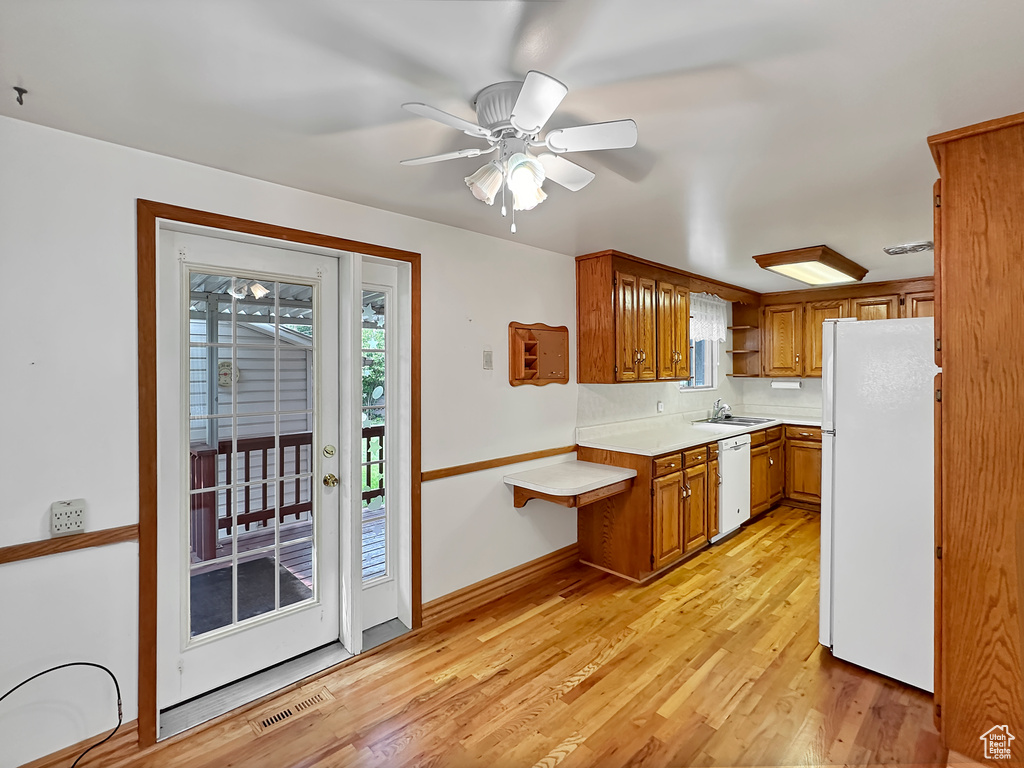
[511,116]
[818,265]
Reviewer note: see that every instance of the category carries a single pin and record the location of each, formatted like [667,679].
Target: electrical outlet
[488,360]
[67,517]
[661,407]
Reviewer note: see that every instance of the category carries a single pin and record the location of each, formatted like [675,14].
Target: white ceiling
[764,125]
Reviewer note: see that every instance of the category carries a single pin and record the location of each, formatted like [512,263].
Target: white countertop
[654,437]
[569,478]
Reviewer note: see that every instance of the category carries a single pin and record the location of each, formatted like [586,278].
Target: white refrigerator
[877,491]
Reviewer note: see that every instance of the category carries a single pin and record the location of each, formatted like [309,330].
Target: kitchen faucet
[719,410]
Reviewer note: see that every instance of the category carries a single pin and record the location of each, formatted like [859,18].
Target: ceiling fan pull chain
[504,179]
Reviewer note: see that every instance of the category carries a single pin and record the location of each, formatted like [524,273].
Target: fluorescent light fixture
[781,384]
[819,265]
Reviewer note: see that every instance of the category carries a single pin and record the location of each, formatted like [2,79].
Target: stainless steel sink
[736,421]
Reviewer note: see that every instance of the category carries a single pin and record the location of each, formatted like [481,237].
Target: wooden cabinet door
[783,339]
[776,472]
[920,304]
[803,471]
[714,480]
[695,511]
[647,323]
[682,326]
[759,480]
[815,314]
[668,520]
[876,307]
[627,347]
[666,331]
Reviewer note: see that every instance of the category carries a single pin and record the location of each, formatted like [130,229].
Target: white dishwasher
[734,484]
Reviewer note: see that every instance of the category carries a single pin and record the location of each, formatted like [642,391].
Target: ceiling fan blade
[539,98]
[474,152]
[565,172]
[618,134]
[433,113]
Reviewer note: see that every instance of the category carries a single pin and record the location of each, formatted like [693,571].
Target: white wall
[67,263]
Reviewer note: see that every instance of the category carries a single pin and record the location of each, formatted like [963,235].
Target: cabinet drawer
[803,433]
[774,434]
[665,465]
[695,456]
[758,438]
[712,451]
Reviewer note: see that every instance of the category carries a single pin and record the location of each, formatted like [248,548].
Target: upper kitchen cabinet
[633,318]
[635,352]
[791,321]
[876,307]
[919,304]
[673,331]
[782,340]
[816,313]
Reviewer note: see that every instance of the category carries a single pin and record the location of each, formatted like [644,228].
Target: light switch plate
[67,517]
[488,360]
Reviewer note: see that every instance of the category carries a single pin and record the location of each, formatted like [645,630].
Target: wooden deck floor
[715,664]
[299,561]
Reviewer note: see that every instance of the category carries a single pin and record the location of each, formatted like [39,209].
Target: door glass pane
[296,573]
[374,418]
[251,419]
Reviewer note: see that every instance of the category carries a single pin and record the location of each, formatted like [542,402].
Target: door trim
[147,213]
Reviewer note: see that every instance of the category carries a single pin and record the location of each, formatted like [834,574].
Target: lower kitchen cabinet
[776,472]
[668,519]
[759,493]
[767,474]
[695,508]
[714,486]
[803,464]
[664,517]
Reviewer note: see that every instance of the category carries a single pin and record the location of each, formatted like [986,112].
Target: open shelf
[746,341]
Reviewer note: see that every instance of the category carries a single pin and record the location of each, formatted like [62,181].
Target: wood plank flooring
[715,664]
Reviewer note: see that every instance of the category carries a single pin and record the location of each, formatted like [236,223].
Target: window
[707,330]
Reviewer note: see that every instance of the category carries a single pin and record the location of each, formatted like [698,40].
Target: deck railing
[253,457]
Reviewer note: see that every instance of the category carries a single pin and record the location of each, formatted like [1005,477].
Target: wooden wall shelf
[537,354]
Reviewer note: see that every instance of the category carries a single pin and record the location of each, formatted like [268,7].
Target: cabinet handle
[771,462]
[643,356]
[636,355]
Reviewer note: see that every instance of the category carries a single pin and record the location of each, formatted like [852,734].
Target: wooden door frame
[147,214]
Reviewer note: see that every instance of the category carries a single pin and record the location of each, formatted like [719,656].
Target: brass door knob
[330,480]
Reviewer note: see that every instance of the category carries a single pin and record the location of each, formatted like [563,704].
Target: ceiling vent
[918,247]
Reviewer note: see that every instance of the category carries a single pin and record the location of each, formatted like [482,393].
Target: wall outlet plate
[67,517]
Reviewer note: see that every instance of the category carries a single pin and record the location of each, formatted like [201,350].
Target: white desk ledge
[571,483]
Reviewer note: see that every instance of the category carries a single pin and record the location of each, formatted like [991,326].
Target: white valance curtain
[708,317]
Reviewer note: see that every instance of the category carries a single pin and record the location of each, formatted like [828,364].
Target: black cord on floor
[117,688]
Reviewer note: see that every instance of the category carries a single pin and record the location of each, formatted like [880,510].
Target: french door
[248,530]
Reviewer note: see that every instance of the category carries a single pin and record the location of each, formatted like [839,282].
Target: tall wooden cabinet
[980,493]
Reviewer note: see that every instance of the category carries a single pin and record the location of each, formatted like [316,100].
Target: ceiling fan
[511,116]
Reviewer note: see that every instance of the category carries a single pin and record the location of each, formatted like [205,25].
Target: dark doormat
[211,593]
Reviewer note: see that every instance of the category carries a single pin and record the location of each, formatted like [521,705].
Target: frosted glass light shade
[486,182]
[528,199]
[525,177]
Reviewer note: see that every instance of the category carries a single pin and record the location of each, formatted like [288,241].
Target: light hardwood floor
[715,664]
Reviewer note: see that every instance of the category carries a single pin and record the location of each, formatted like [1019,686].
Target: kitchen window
[707,330]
